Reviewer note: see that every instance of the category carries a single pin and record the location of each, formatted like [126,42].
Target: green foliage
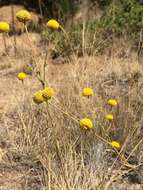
[58,8]
[90,43]
[66,6]
[50,8]
[103,3]
[122,17]
[119,17]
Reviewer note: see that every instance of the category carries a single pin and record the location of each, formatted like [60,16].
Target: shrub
[122,17]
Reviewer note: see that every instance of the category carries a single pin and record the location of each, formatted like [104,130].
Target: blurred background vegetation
[102,20]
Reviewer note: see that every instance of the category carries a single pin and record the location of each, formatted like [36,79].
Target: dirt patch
[19,178]
[10,180]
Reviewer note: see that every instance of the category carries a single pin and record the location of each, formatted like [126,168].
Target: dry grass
[43,147]
[52,143]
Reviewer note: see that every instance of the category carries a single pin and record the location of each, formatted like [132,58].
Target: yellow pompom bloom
[115,144]
[109,117]
[87,92]
[21,76]
[48,92]
[4,27]
[112,102]
[38,98]
[23,16]
[86,123]
[53,24]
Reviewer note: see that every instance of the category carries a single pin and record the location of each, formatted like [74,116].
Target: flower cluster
[116,145]
[21,76]
[112,102]
[87,92]
[23,16]
[4,27]
[86,123]
[47,93]
[43,95]
[53,24]
[109,117]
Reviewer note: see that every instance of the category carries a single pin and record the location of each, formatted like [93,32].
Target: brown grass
[44,137]
[43,147]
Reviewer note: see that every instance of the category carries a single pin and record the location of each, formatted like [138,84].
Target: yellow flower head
[21,76]
[112,102]
[86,123]
[115,145]
[4,27]
[87,92]
[109,117]
[53,24]
[38,98]
[48,92]
[23,16]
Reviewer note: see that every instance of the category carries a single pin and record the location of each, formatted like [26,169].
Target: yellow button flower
[86,123]
[38,98]
[109,117]
[23,16]
[48,92]
[21,76]
[53,24]
[4,27]
[112,102]
[115,144]
[87,92]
